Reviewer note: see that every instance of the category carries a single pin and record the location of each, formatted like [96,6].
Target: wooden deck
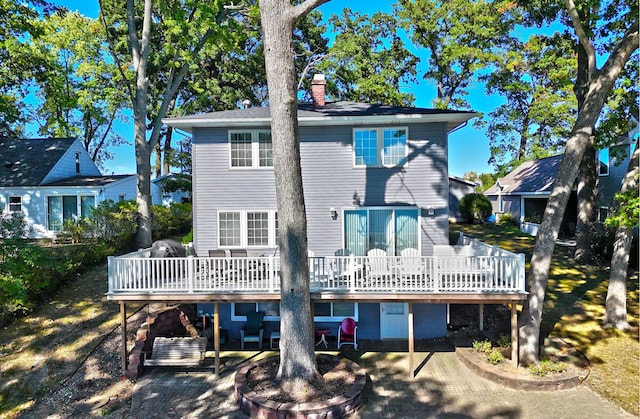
[455,275]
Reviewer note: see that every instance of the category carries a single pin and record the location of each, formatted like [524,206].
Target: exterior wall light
[334,213]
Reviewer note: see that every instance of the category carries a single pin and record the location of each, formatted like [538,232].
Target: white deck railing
[475,268]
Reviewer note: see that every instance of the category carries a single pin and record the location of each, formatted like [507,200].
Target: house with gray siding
[49,181]
[376,189]
[373,176]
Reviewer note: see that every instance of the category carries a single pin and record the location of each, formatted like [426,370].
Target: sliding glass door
[390,229]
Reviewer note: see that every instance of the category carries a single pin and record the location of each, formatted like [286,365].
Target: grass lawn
[573,311]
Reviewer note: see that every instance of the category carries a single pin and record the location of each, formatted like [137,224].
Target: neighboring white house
[53,180]
[168,198]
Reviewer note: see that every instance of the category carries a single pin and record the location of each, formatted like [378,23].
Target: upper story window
[77,162]
[379,147]
[15,204]
[603,162]
[250,149]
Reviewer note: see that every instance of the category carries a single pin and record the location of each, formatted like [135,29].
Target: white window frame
[380,146]
[392,231]
[78,207]
[332,318]
[244,230]
[600,211]
[255,149]
[11,204]
[599,159]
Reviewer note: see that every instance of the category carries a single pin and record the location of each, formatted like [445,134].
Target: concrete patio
[442,387]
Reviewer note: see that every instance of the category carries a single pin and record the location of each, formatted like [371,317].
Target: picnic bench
[177,351]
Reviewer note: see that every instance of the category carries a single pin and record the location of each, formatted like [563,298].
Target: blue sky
[468,146]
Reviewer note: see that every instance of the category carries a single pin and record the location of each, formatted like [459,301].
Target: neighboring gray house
[458,188]
[53,180]
[523,193]
[374,176]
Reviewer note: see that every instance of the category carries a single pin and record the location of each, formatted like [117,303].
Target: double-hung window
[250,149]
[257,228]
[379,147]
[15,204]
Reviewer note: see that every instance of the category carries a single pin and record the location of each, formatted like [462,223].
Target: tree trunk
[298,366]
[166,165]
[587,173]
[616,303]
[599,87]
[157,167]
[586,204]
[140,54]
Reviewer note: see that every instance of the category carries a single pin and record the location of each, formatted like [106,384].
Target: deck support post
[123,334]
[216,336]
[481,314]
[411,340]
[514,335]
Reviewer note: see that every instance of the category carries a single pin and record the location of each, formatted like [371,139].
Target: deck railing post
[191,271]
[521,275]
[110,273]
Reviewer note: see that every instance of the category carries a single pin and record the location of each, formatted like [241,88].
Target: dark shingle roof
[310,112]
[530,176]
[26,162]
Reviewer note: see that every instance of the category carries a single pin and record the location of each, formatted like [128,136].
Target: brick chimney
[317,89]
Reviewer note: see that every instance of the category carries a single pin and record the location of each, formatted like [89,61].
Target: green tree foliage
[475,207]
[536,78]
[80,96]
[462,38]
[30,273]
[612,29]
[19,65]
[367,61]
[484,180]
[162,42]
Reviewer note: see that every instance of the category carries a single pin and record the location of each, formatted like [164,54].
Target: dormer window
[77,163]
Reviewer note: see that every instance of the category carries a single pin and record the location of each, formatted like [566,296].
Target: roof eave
[453,120]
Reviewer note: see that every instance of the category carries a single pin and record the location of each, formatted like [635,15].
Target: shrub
[115,222]
[13,226]
[481,346]
[171,221]
[545,367]
[475,207]
[188,238]
[495,357]
[504,341]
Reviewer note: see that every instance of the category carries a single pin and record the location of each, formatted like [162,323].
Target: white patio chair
[378,271]
[412,269]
